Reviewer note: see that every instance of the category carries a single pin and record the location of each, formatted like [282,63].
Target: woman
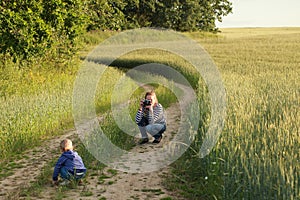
[150,118]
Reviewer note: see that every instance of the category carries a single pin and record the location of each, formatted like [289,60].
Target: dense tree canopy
[180,15]
[30,27]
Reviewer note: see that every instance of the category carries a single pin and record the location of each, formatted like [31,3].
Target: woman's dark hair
[150,93]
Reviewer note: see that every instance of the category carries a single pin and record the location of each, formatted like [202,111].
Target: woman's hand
[141,104]
[150,107]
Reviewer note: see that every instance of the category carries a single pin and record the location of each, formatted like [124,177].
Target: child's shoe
[64,183]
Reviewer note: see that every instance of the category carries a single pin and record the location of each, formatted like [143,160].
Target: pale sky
[263,13]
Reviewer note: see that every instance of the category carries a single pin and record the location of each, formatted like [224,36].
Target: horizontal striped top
[155,117]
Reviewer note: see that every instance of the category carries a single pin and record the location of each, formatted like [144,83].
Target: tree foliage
[30,27]
[180,15]
[106,15]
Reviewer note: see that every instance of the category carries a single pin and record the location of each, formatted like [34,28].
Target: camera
[147,102]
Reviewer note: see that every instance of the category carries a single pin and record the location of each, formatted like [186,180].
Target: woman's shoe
[157,140]
[144,141]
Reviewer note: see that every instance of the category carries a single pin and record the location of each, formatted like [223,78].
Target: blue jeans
[156,130]
[65,174]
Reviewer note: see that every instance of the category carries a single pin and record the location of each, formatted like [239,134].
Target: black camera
[147,102]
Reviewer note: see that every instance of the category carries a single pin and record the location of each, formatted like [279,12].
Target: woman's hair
[151,93]
[66,144]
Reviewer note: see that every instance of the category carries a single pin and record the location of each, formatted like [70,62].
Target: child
[69,165]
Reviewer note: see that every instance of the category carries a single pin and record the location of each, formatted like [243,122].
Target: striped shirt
[155,117]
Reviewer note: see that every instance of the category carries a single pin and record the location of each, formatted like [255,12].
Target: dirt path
[104,184]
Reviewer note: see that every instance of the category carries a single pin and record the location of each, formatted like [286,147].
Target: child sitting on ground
[69,165]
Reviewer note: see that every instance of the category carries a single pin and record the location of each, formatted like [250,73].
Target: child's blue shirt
[71,160]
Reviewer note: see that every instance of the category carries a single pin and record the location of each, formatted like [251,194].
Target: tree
[140,12]
[23,32]
[190,15]
[28,28]
[180,15]
[106,15]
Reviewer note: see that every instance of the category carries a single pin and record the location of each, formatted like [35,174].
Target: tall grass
[36,98]
[257,156]
[34,105]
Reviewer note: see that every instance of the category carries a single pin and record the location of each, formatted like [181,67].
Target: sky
[263,13]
